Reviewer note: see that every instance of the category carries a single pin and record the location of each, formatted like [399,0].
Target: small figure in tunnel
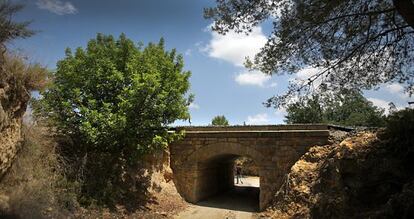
[238,174]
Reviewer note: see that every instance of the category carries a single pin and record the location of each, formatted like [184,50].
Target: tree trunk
[406,9]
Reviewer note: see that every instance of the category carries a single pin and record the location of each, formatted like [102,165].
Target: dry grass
[35,186]
[21,73]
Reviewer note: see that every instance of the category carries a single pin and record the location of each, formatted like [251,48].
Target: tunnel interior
[216,184]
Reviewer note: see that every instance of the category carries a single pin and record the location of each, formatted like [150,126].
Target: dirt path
[241,203]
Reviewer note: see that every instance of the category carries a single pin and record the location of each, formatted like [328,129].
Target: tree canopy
[355,44]
[219,121]
[116,96]
[113,102]
[347,107]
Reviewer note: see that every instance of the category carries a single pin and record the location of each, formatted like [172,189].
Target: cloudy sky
[221,84]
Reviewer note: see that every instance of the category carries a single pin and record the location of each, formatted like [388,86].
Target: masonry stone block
[202,162]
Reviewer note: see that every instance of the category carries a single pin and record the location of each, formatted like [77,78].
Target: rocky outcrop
[13,103]
[356,178]
[10,140]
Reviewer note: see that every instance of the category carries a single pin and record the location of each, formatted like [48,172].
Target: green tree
[219,121]
[347,107]
[356,44]
[114,101]
[305,110]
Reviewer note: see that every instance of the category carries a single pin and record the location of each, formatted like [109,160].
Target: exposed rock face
[13,103]
[10,139]
[354,179]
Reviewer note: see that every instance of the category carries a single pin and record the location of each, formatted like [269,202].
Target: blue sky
[222,86]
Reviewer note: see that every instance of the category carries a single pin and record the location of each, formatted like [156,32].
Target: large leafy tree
[354,43]
[116,96]
[346,107]
[114,101]
[219,121]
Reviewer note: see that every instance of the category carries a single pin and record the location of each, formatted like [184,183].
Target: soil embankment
[357,178]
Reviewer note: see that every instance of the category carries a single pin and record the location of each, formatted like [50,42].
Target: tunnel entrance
[219,187]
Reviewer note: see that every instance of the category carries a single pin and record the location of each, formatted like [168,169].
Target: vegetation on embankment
[110,104]
[86,151]
[35,186]
[18,78]
[367,175]
[99,117]
[38,185]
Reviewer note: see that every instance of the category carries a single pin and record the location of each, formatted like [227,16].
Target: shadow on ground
[239,198]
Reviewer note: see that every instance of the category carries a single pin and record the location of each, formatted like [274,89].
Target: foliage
[305,110]
[113,102]
[219,121]
[398,133]
[355,44]
[9,29]
[347,107]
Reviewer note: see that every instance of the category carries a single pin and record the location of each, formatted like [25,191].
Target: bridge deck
[295,127]
[255,131]
[256,134]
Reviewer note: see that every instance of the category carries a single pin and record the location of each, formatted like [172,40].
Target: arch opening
[218,186]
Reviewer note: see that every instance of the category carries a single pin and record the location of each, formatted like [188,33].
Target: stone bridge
[202,162]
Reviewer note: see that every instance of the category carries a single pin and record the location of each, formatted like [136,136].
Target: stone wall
[202,161]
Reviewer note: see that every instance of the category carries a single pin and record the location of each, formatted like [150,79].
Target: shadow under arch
[213,150]
[209,170]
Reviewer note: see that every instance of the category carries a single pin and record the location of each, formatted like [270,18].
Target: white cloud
[194,106]
[306,73]
[394,88]
[252,78]
[259,119]
[380,103]
[273,84]
[57,7]
[397,89]
[281,112]
[384,104]
[235,47]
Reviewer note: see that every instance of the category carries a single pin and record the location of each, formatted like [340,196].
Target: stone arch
[208,169]
[217,149]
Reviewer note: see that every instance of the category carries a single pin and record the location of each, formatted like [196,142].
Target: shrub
[29,76]
[399,133]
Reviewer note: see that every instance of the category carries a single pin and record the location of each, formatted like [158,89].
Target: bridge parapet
[254,127]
